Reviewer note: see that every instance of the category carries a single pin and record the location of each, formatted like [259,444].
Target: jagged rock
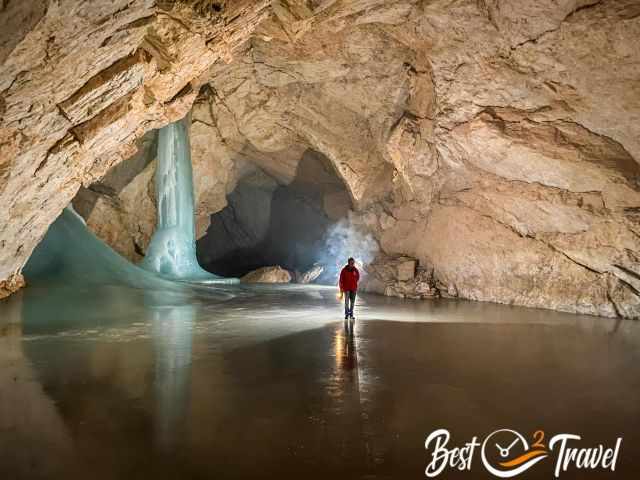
[78,90]
[273,274]
[400,277]
[11,284]
[310,275]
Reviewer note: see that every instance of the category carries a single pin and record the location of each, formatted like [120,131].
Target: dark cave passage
[266,223]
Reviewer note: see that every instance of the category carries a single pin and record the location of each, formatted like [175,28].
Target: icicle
[172,251]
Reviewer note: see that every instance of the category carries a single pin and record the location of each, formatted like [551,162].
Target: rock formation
[272,274]
[402,277]
[494,142]
[80,82]
[120,208]
[310,275]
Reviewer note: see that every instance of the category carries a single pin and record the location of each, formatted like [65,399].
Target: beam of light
[343,240]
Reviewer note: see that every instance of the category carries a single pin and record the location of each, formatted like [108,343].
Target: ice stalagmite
[172,251]
[71,254]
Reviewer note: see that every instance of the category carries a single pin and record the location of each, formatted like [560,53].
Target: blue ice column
[172,251]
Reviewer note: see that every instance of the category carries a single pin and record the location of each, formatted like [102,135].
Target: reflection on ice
[172,330]
[29,420]
[178,385]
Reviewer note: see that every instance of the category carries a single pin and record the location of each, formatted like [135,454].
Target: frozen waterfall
[172,251]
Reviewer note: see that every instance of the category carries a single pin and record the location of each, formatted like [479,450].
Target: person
[349,277]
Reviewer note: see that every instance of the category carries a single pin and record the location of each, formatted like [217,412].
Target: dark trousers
[349,302]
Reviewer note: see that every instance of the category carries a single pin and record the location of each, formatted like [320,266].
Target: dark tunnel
[267,223]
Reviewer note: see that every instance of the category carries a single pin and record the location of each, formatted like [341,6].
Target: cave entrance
[267,223]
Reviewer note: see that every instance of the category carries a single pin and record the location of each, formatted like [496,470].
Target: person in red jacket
[349,277]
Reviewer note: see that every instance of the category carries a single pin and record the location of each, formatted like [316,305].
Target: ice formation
[70,253]
[172,251]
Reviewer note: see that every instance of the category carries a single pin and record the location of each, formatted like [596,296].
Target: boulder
[406,269]
[310,275]
[272,274]
[400,277]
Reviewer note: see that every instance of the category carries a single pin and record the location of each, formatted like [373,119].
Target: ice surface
[270,384]
[71,262]
[172,251]
[71,254]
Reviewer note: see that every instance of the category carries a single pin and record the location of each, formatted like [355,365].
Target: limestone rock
[400,277]
[406,269]
[76,91]
[495,142]
[310,275]
[486,260]
[273,274]
[216,171]
[10,285]
[120,209]
[411,153]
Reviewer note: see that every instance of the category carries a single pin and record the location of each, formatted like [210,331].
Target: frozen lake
[265,382]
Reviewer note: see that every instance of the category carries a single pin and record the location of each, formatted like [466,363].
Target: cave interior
[266,223]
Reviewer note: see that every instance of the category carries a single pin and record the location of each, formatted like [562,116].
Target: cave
[266,223]
[183,181]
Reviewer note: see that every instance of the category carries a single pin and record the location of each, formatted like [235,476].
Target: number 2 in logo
[538,437]
[505,453]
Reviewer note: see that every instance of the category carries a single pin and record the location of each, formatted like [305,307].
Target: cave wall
[232,244]
[120,208]
[497,142]
[267,222]
[80,82]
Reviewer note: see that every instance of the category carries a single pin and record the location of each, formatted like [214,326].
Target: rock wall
[232,245]
[494,141]
[266,222]
[121,208]
[80,82]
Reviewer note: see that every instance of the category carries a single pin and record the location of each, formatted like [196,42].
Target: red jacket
[349,279]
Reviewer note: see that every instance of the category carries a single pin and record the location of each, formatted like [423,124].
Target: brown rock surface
[400,277]
[120,208]
[77,89]
[310,275]
[11,284]
[272,274]
[496,142]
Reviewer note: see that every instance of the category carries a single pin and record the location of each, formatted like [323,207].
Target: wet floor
[266,382]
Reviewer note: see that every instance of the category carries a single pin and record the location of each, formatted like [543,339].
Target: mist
[343,240]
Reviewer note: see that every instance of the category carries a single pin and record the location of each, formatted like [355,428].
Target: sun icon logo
[506,453]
